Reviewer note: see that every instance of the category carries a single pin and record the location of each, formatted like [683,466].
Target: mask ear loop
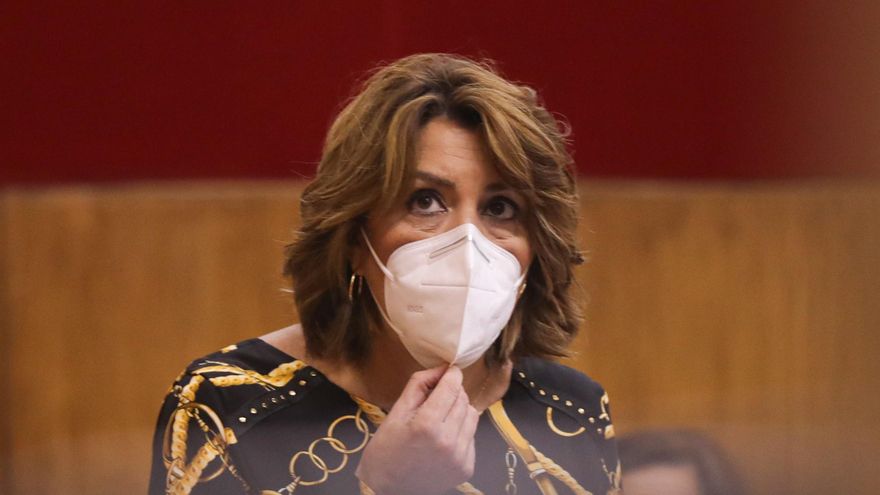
[381,265]
[387,274]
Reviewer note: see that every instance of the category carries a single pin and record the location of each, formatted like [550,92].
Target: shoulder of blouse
[565,413]
[568,396]
[245,383]
[228,391]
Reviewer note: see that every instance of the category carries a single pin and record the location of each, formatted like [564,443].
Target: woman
[431,274]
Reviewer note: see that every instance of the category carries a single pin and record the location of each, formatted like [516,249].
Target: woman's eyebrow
[435,179]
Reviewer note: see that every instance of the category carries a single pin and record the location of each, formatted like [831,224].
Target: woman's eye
[501,209]
[425,202]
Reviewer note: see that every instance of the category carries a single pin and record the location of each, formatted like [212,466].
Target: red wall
[726,89]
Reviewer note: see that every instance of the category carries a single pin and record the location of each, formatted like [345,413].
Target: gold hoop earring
[522,288]
[351,283]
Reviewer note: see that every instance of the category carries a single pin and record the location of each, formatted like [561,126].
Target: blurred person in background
[676,462]
[431,273]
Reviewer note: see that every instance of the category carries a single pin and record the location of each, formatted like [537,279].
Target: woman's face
[455,183]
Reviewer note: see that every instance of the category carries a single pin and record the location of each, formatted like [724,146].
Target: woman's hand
[426,443]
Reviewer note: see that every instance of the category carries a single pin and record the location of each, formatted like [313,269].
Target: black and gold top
[251,419]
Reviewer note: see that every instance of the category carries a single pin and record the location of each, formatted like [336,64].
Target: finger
[469,425]
[471,456]
[467,445]
[457,412]
[436,407]
[417,389]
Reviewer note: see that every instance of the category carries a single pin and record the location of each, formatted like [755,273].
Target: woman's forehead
[443,141]
[448,151]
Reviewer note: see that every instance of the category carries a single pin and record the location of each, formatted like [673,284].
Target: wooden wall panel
[5,334]
[747,310]
[113,291]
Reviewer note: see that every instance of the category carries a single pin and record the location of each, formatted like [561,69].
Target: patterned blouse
[250,419]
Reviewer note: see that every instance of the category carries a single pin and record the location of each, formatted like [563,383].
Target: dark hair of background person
[716,474]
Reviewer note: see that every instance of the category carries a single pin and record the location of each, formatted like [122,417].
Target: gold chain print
[240,376]
[183,476]
[376,415]
[561,474]
[318,461]
[603,404]
[558,431]
[510,459]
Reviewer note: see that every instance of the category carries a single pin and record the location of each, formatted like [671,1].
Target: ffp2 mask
[449,296]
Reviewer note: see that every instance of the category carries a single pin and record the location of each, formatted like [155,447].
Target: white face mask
[449,296]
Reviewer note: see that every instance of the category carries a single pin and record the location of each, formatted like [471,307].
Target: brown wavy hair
[368,160]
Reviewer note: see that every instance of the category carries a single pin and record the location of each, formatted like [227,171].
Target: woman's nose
[471,215]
